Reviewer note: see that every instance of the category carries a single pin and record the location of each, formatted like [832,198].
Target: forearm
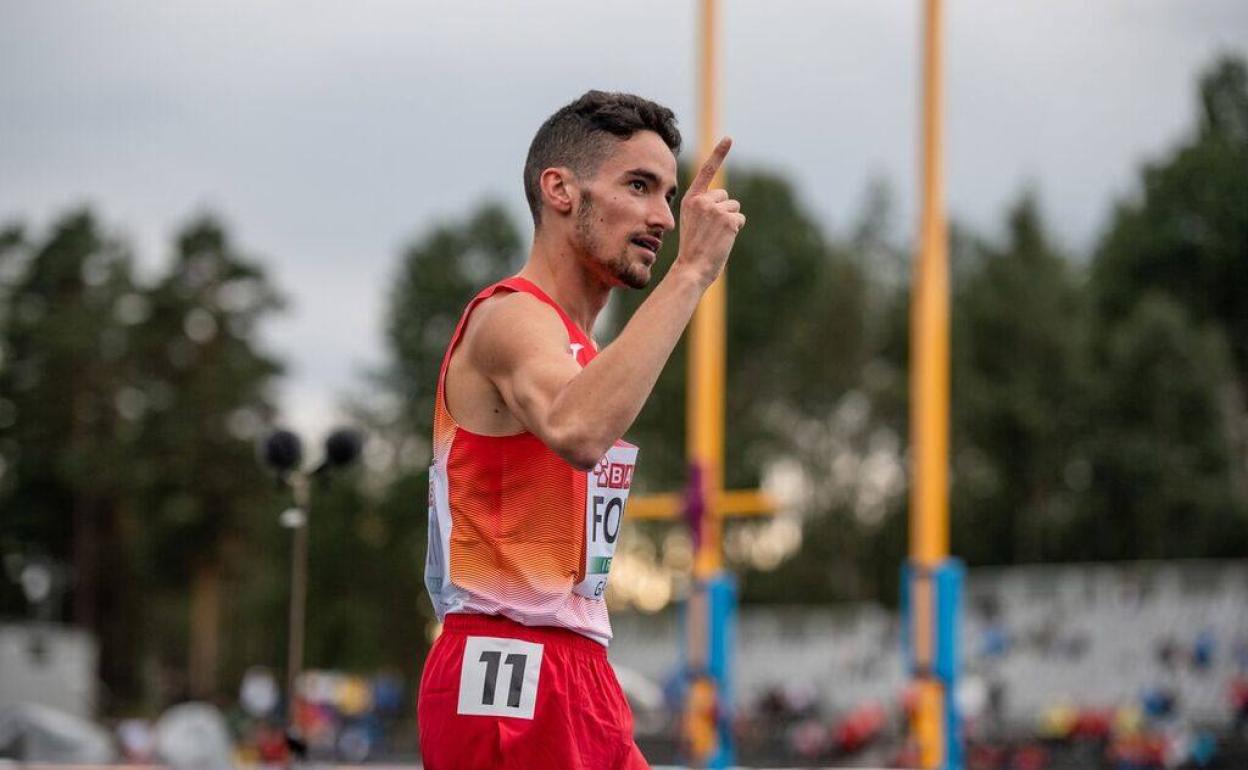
[592,409]
[596,407]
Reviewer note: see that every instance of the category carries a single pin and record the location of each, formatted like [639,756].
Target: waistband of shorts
[497,625]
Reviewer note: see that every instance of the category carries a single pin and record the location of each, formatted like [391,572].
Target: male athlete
[530,477]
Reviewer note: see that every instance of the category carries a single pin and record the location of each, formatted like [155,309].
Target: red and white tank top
[514,530]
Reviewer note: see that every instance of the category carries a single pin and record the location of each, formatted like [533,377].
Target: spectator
[1159,702]
[1238,693]
[1202,651]
[1030,756]
[1204,749]
[995,642]
[271,747]
[138,743]
[1167,652]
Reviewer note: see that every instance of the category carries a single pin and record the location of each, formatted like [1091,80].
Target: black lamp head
[342,447]
[283,451]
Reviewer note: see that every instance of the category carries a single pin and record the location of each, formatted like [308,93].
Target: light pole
[283,452]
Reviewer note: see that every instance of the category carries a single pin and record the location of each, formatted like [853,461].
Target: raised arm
[580,413]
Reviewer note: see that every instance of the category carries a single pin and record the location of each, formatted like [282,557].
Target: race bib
[605,497]
[499,677]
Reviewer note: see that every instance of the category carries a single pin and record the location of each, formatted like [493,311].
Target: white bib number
[499,677]
[605,496]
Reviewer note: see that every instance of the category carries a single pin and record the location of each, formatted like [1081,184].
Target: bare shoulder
[498,341]
[515,324]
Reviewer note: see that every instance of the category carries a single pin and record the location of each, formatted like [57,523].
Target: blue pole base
[945,581]
[719,593]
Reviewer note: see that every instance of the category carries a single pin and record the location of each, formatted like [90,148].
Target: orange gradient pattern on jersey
[519,518]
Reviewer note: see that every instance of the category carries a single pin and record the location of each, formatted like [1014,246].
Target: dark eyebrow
[650,177]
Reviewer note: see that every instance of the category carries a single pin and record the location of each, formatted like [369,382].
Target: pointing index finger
[705,174]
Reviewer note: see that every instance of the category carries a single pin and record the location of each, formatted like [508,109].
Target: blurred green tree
[1185,234]
[204,390]
[1158,479]
[1174,262]
[68,426]
[367,607]
[1019,393]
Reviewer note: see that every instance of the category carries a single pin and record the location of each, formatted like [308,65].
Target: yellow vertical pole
[704,410]
[705,380]
[929,388]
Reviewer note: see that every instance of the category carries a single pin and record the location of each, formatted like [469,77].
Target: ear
[559,191]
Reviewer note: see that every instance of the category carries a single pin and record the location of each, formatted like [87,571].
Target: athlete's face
[625,210]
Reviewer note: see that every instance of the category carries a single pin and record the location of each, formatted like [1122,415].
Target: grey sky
[328,134]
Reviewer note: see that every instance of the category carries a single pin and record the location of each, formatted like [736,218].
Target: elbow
[581,463]
[580,450]
[583,457]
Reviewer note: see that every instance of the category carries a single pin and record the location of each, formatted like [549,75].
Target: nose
[660,216]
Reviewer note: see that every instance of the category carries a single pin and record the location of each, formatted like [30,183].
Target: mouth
[649,244]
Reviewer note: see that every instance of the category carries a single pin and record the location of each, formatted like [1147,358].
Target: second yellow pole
[704,403]
[929,394]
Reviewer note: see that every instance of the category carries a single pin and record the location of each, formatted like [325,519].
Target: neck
[556,268]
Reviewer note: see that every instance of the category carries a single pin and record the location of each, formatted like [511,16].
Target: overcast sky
[329,134]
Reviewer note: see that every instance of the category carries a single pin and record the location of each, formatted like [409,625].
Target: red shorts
[498,694]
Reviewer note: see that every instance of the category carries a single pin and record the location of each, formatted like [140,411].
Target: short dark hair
[579,136]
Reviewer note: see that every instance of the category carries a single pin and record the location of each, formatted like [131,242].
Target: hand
[709,221]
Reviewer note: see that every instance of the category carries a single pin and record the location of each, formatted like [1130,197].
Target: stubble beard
[631,274]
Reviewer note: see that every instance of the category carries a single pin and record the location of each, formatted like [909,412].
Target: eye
[638,185]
